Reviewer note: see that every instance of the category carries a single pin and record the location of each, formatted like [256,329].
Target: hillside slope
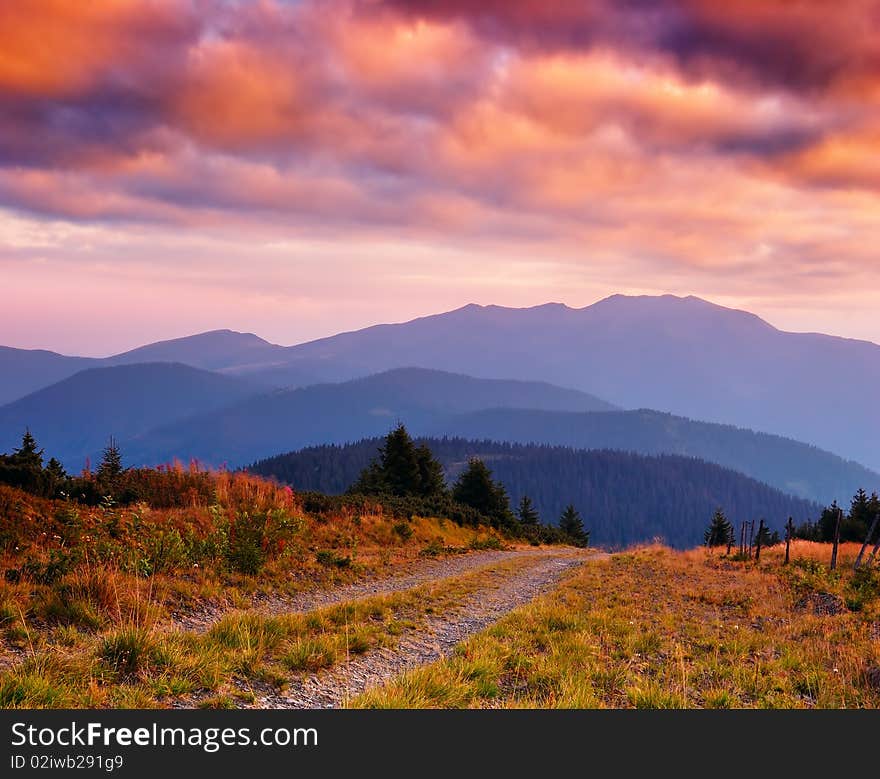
[23,371]
[624,497]
[337,413]
[73,419]
[788,465]
[681,355]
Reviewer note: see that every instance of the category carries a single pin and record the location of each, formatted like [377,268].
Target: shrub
[164,550]
[403,529]
[330,558]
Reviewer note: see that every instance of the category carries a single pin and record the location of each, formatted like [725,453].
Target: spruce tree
[572,525]
[401,469]
[28,456]
[720,531]
[527,512]
[55,477]
[24,467]
[767,537]
[826,524]
[475,488]
[861,515]
[371,481]
[432,482]
[110,468]
[399,463]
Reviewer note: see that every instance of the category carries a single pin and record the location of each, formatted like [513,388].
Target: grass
[145,665]
[653,628]
[98,568]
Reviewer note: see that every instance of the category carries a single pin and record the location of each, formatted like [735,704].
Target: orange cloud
[56,48]
[693,140]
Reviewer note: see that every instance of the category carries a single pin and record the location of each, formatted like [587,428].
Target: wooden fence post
[789,531]
[836,538]
[758,542]
[867,541]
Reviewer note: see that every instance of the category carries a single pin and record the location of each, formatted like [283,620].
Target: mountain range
[648,375]
[73,419]
[681,355]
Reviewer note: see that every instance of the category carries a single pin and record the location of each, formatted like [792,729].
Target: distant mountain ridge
[791,466]
[681,355]
[328,413]
[73,418]
[684,356]
[27,370]
[623,497]
[161,411]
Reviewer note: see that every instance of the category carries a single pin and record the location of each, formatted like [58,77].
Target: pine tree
[56,470]
[110,468]
[572,525]
[475,488]
[826,524]
[861,515]
[371,481]
[27,455]
[401,469]
[55,476]
[767,537]
[24,467]
[432,482]
[400,465]
[527,512]
[720,531]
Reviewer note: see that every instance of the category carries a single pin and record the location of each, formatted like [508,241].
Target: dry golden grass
[91,568]
[138,663]
[653,628]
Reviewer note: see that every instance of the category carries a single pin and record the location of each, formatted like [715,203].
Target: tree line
[405,470]
[24,468]
[627,497]
[404,476]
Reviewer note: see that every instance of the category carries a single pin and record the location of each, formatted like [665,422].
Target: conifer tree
[432,482]
[24,467]
[55,476]
[476,488]
[399,463]
[27,455]
[767,537]
[527,512]
[401,469]
[110,468]
[720,531]
[572,525]
[827,522]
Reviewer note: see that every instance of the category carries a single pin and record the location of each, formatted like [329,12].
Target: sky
[298,169]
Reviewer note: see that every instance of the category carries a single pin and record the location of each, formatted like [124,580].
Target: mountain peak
[694,309]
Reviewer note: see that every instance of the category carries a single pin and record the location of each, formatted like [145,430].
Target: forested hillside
[622,497]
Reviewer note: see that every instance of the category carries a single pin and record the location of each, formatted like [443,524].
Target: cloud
[685,139]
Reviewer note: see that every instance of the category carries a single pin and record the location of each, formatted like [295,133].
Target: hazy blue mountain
[73,418]
[791,466]
[23,371]
[682,355]
[216,350]
[624,497]
[328,413]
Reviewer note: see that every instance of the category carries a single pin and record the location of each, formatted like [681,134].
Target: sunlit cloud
[413,156]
